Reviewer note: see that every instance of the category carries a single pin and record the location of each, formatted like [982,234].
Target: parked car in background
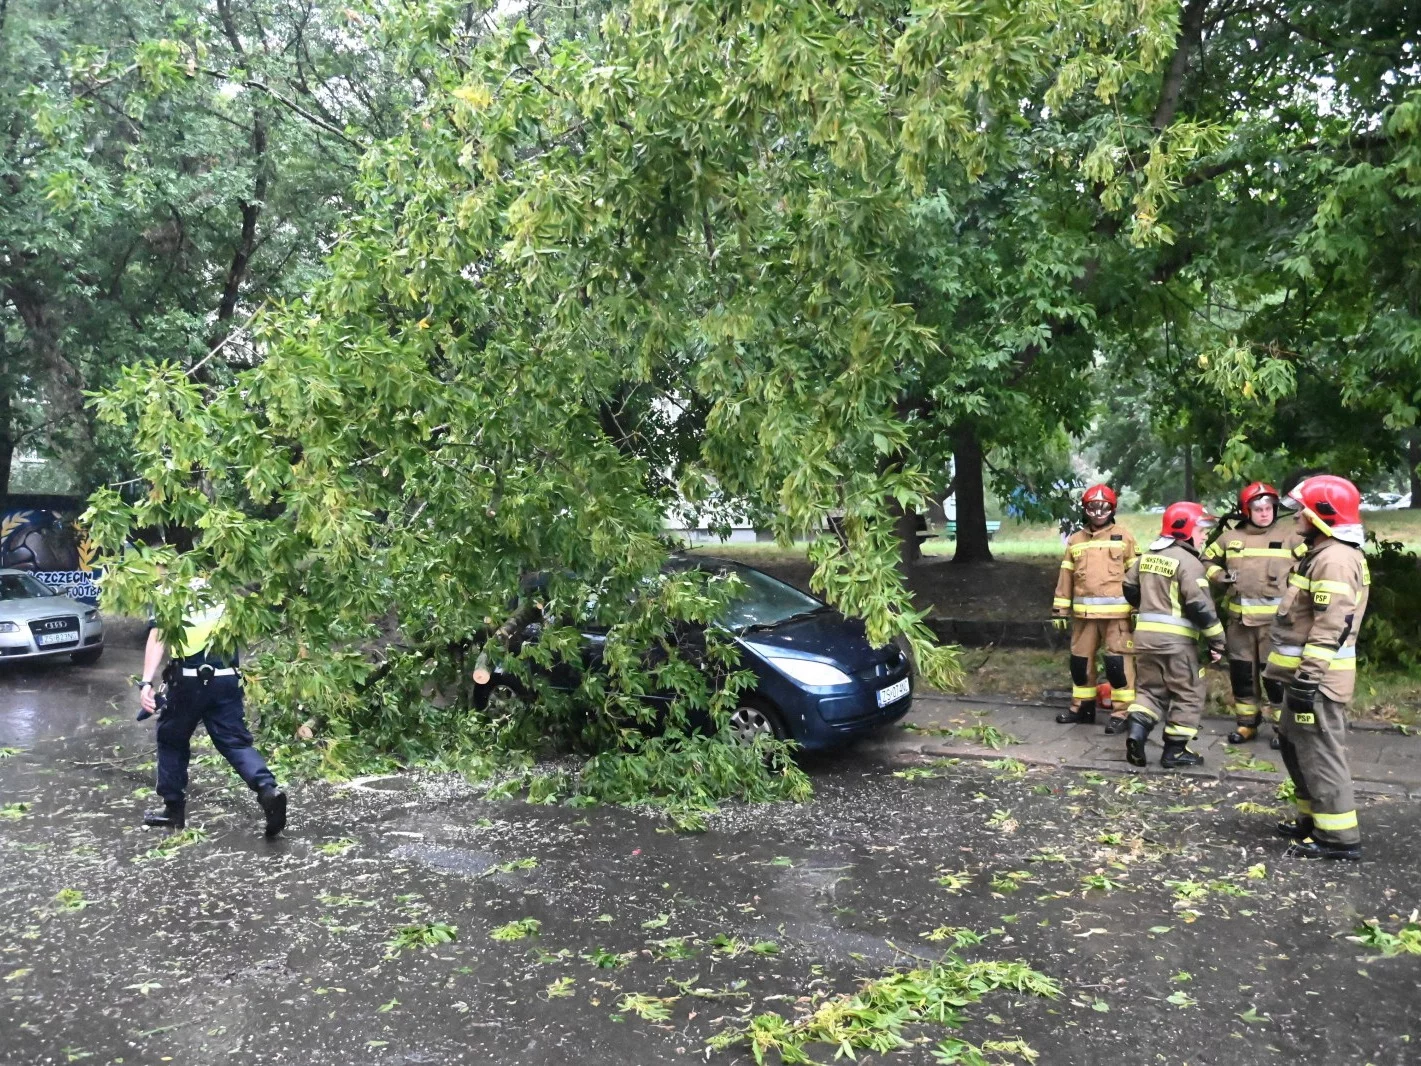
[39,622]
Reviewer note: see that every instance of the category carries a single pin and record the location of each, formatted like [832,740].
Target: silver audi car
[37,621]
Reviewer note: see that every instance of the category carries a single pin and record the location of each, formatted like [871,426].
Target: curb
[1221,775]
[1005,702]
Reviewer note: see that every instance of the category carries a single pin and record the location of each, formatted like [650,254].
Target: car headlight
[91,615]
[9,627]
[809,672]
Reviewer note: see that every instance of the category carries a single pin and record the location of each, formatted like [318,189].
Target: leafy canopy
[591,280]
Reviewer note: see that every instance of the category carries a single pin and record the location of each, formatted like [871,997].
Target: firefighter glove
[1061,623]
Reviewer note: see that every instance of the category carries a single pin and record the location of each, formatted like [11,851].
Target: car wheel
[87,657]
[753,719]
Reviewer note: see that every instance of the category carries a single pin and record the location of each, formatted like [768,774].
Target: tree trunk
[1413,460]
[972,546]
[7,440]
[906,527]
[1188,471]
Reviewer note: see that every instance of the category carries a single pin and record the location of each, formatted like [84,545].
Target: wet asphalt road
[1198,947]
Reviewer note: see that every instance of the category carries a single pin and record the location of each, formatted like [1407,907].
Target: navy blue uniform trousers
[217,705]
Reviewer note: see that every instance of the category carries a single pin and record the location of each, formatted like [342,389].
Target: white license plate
[893,693]
[56,638]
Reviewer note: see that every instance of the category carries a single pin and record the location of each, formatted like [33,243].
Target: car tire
[754,717]
[87,657]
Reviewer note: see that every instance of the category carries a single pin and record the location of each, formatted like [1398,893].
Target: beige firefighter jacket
[1168,585]
[1314,639]
[1260,561]
[1092,569]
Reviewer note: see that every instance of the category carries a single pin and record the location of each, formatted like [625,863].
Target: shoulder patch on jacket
[1158,564]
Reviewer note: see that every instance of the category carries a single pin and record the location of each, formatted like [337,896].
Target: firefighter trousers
[1247,650]
[1113,635]
[1170,689]
[1315,753]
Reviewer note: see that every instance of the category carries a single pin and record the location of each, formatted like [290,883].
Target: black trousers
[217,705]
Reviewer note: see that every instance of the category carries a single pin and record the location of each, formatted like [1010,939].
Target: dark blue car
[818,680]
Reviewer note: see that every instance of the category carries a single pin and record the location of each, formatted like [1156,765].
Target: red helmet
[1253,492]
[1182,519]
[1096,493]
[1333,504]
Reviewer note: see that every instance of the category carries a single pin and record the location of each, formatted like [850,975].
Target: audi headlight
[91,615]
[805,671]
[9,627]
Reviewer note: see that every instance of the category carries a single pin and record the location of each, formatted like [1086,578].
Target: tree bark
[1188,471]
[7,440]
[1413,460]
[906,526]
[971,495]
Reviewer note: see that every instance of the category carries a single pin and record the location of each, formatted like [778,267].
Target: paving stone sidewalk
[1384,761]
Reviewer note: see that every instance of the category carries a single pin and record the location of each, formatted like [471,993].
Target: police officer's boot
[1177,754]
[1298,829]
[1139,733]
[1085,715]
[1323,849]
[273,805]
[172,816]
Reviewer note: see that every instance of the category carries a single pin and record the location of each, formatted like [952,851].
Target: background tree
[166,169]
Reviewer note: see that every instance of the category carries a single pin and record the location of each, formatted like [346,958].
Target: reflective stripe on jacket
[1092,569]
[1168,584]
[1260,560]
[1314,639]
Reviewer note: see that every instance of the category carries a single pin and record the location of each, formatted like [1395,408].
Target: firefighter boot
[1116,723]
[1084,716]
[1242,734]
[1323,849]
[1139,733]
[172,816]
[1299,829]
[1177,754]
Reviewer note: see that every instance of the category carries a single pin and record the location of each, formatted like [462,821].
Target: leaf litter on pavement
[811,914]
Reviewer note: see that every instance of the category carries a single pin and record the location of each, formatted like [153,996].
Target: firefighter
[1090,601]
[1253,561]
[1312,667]
[1168,586]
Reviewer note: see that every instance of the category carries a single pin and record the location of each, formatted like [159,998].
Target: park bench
[951,531]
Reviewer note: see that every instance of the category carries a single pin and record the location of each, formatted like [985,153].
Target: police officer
[1312,667]
[1253,561]
[202,687]
[1090,602]
[1168,585]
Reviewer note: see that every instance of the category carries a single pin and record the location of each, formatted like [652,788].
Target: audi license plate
[893,693]
[56,638]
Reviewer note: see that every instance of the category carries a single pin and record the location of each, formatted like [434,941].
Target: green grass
[1024,539]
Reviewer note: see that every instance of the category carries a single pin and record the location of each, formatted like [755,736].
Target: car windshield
[22,587]
[765,602]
